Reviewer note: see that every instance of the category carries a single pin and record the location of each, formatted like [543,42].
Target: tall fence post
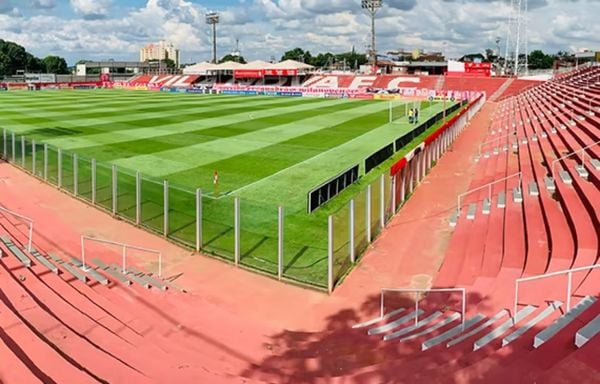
[4,144]
[382,201]
[351,232]
[94,181]
[368,213]
[75,175]
[330,254]
[280,239]
[14,147]
[59,173]
[138,198]
[166,208]
[198,220]
[114,189]
[403,184]
[23,149]
[46,162]
[393,186]
[33,157]
[236,220]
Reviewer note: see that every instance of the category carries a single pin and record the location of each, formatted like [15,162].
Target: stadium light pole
[372,6]
[212,18]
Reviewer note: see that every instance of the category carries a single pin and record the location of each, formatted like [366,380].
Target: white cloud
[267,28]
[91,9]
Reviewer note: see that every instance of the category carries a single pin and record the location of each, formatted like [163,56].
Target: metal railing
[124,247]
[495,140]
[423,290]
[582,150]
[489,187]
[25,219]
[568,272]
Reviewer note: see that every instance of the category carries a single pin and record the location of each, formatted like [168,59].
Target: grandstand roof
[202,68]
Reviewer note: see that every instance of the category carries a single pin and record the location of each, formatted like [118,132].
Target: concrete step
[581,171]
[413,327]
[26,261]
[453,317]
[45,262]
[378,319]
[595,164]
[471,211]
[531,323]
[389,326]
[565,177]
[533,189]
[112,272]
[501,200]
[517,195]
[90,271]
[452,332]
[545,335]
[486,206]
[478,329]
[74,271]
[499,331]
[588,332]
[549,183]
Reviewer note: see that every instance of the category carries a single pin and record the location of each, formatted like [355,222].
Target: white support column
[236,219]
[75,175]
[411,175]
[198,220]
[138,198]
[166,208]
[351,232]
[94,181]
[280,240]
[330,254]
[368,213]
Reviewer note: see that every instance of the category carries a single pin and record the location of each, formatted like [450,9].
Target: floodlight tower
[372,6]
[212,18]
[516,37]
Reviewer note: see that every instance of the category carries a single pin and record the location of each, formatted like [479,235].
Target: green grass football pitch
[268,152]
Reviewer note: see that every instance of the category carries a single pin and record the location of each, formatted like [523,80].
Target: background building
[161,51]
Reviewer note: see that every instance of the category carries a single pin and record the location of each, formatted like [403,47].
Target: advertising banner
[281,72]
[249,73]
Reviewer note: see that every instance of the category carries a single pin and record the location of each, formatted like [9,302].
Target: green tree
[236,58]
[55,64]
[539,60]
[298,54]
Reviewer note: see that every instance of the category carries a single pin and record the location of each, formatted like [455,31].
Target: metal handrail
[496,140]
[23,218]
[420,290]
[489,186]
[569,272]
[582,150]
[124,251]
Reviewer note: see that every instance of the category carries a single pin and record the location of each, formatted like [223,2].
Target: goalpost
[398,110]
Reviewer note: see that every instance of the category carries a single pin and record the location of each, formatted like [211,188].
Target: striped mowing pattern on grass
[268,151]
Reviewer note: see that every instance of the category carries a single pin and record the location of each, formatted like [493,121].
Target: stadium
[397,221]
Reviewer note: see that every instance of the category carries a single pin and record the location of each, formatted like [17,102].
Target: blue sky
[117,29]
